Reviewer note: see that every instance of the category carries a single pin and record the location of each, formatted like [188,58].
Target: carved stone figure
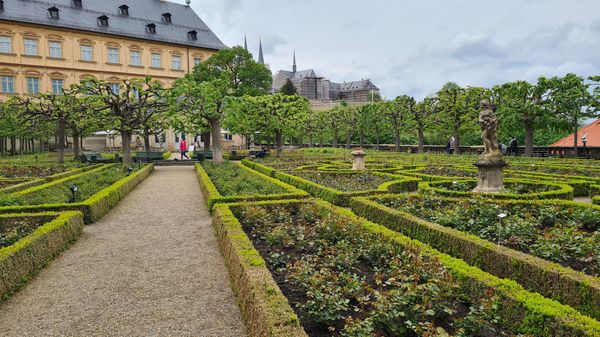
[489,129]
[490,162]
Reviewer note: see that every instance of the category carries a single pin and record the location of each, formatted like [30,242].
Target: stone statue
[490,163]
[489,127]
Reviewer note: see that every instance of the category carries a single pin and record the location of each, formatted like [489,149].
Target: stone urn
[359,159]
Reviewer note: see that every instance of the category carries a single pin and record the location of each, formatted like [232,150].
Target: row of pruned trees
[546,110]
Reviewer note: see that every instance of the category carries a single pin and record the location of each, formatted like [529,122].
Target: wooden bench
[201,155]
[147,157]
[259,154]
[541,153]
[94,158]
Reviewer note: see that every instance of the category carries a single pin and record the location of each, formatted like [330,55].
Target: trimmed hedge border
[96,206]
[212,195]
[267,311]
[594,191]
[401,184]
[563,191]
[41,181]
[550,279]
[26,257]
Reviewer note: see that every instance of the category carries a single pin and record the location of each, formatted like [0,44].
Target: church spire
[261,58]
[245,43]
[294,68]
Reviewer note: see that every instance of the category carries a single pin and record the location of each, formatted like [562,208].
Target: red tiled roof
[593,136]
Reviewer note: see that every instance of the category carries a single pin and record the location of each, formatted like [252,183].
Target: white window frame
[135,60]
[7,84]
[176,62]
[113,56]
[116,88]
[33,85]
[56,90]
[30,47]
[87,52]
[55,49]
[156,60]
[6,44]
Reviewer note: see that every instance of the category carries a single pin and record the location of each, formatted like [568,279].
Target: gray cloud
[415,47]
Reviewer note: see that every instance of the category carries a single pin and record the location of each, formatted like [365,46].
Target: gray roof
[357,85]
[141,13]
[299,74]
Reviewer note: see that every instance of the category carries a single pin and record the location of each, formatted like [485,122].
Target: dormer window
[124,10]
[77,4]
[151,28]
[1,5]
[166,18]
[103,21]
[53,12]
[193,35]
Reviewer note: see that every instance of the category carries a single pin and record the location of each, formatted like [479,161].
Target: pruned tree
[288,88]
[524,105]
[422,117]
[131,109]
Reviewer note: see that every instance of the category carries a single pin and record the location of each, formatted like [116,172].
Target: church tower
[261,58]
[294,68]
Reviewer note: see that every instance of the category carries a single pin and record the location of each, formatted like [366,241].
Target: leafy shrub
[88,185]
[564,234]
[232,180]
[345,182]
[347,282]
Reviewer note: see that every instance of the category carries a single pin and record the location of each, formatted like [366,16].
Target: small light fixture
[501,216]
[74,189]
[129,170]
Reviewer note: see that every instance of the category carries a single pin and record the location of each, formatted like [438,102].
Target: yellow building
[47,45]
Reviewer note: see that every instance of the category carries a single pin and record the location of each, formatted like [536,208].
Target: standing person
[513,146]
[183,149]
[451,145]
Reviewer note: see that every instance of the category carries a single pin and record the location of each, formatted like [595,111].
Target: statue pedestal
[490,175]
[359,160]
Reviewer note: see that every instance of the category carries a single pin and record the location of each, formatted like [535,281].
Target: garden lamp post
[501,216]
[74,189]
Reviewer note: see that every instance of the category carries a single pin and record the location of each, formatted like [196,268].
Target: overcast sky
[414,47]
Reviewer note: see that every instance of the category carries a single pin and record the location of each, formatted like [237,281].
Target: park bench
[541,153]
[94,158]
[201,155]
[147,156]
[258,153]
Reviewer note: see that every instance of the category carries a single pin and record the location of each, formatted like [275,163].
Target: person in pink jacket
[183,149]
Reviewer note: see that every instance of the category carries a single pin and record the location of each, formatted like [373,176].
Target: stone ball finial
[188,2]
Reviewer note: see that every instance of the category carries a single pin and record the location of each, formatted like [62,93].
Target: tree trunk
[529,130]
[206,138]
[335,139]
[321,142]
[397,139]
[126,144]
[362,139]
[456,141]
[421,136]
[377,140]
[76,149]
[215,129]
[348,140]
[279,141]
[60,145]
[146,141]
[576,134]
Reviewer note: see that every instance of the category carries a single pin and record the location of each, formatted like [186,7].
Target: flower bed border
[564,191]
[267,312]
[41,181]
[96,206]
[26,257]
[213,197]
[401,184]
[563,284]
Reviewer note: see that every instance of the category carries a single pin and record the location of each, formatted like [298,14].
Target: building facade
[48,45]
[317,88]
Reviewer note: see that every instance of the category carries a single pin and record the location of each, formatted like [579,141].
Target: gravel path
[151,267]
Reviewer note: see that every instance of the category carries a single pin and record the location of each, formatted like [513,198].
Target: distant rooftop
[592,131]
[174,23]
